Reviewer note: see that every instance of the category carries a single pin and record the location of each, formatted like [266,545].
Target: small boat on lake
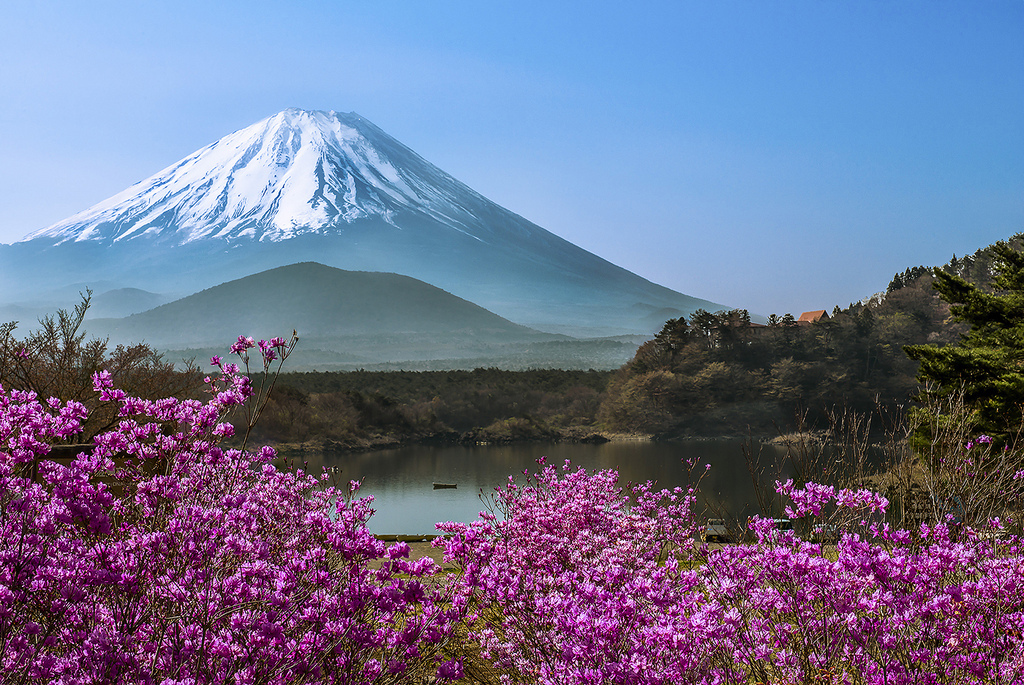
[441,486]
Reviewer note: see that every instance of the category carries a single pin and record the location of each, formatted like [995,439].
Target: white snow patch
[262,180]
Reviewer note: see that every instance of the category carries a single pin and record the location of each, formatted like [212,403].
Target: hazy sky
[775,155]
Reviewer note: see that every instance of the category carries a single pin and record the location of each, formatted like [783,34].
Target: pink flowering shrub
[886,606]
[568,584]
[160,557]
[567,587]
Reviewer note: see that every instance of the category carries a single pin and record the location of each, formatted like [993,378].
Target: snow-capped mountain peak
[295,172]
[333,188]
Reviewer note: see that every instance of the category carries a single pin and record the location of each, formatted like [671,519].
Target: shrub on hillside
[159,557]
[57,360]
[567,586]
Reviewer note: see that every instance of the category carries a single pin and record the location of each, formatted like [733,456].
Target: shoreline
[570,435]
[573,435]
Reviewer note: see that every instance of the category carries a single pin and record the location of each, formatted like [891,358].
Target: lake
[401,480]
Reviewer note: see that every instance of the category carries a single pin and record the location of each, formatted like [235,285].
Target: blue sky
[774,155]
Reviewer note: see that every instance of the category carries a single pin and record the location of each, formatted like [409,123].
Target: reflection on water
[401,480]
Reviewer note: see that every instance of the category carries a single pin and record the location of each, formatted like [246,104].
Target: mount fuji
[332,188]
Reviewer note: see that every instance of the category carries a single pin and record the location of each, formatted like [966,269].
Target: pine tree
[987,366]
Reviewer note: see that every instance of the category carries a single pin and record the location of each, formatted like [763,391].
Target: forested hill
[718,373]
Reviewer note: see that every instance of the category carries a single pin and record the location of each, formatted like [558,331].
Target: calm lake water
[401,480]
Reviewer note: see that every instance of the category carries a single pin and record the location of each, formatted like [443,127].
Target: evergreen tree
[987,366]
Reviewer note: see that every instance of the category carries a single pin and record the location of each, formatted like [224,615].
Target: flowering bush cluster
[567,588]
[160,557]
[567,580]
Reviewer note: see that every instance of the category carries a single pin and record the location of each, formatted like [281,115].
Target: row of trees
[358,409]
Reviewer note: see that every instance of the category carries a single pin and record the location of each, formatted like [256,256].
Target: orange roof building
[811,317]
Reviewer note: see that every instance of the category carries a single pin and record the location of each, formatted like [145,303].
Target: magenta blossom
[159,556]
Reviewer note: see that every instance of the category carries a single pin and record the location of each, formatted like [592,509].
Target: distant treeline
[365,408]
[709,374]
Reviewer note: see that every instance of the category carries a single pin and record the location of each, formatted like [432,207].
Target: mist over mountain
[352,319]
[333,188]
[319,300]
[123,302]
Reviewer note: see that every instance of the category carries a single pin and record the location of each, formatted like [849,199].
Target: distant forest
[711,374]
[351,409]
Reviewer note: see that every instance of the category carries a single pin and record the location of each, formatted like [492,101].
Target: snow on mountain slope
[294,173]
[333,188]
